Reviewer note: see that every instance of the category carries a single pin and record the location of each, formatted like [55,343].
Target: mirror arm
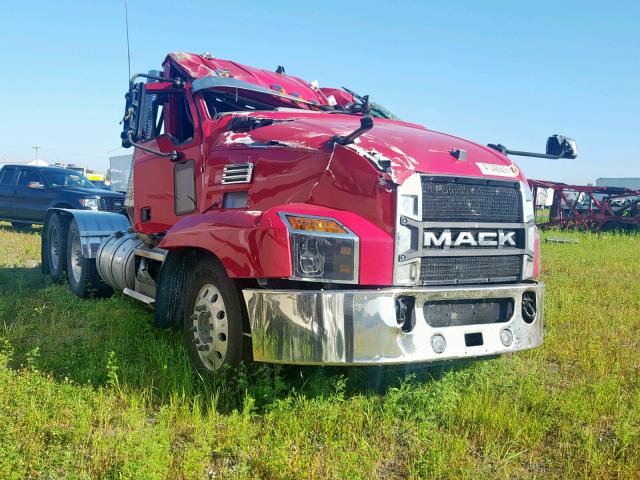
[173,155]
[505,151]
[366,124]
[177,82]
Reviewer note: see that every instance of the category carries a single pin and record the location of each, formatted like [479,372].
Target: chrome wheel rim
[209,327]
[76,258]
[54,247]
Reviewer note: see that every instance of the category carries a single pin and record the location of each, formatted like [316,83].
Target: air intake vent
[237,173]
[460,270]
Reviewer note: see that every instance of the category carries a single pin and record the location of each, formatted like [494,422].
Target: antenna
[126,22]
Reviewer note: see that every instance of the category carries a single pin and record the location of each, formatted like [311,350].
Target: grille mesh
[448,200]
[495,268]
[112,204]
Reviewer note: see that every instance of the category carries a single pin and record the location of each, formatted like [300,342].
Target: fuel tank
[115,260]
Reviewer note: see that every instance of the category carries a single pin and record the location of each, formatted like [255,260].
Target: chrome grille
[481,269]
[453,199]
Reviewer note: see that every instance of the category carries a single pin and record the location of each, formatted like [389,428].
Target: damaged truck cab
[275,220]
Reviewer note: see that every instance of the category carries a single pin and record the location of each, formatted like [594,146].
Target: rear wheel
[54,251]
[82,274]
[212,318]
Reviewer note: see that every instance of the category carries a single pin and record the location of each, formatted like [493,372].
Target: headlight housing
[529,212]
[407,272]
[322,249]
[530,268]
[90,203]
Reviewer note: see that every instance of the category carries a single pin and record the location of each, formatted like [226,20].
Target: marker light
[315,224]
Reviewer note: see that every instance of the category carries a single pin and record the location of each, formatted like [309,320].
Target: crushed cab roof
[200,66]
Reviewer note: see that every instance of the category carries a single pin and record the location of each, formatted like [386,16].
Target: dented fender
[255,244]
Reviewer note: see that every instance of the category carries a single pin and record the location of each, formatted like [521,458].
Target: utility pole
[36,149]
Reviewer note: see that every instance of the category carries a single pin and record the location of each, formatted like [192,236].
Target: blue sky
[493,72]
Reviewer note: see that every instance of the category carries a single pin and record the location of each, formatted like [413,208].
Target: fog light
[506,337]
[438,343]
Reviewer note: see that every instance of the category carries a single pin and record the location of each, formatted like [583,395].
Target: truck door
[8,177]
[166,190]
[32,195]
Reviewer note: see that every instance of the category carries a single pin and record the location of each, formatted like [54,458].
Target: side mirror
[165,145]
[131,119]
[35,186]
[561,147]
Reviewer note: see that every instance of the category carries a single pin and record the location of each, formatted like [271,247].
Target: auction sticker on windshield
[498,170]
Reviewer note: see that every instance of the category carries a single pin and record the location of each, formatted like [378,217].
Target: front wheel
[212,322]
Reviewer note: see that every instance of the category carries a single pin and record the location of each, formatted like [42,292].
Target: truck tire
[54,248]
[170,288]
[82,274]
[212,315]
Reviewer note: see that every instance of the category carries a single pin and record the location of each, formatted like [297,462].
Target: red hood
[407,147]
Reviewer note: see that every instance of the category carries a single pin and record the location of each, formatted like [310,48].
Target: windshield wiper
[363,106]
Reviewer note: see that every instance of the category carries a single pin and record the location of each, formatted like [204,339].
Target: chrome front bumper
[360,327]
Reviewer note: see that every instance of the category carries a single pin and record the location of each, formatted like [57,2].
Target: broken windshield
[379,111]
[232,95]
[362,104]
[223,95]
[220,102]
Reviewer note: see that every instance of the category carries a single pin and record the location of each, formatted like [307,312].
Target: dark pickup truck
[26,192]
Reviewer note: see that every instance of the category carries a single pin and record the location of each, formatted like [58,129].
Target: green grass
[89,389]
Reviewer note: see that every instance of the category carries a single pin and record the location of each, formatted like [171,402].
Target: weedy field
[89,389]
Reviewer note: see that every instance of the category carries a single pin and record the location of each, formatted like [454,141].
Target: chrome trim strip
[473,225]
[158,254]
[139,296]
[476,252]
[360,327]
[237,173]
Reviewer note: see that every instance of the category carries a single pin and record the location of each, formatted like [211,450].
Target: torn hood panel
[401,147]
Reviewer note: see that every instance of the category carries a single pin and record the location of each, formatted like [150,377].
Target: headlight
[90,203]
[322,250]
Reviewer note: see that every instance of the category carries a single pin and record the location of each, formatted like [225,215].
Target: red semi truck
[278,221]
